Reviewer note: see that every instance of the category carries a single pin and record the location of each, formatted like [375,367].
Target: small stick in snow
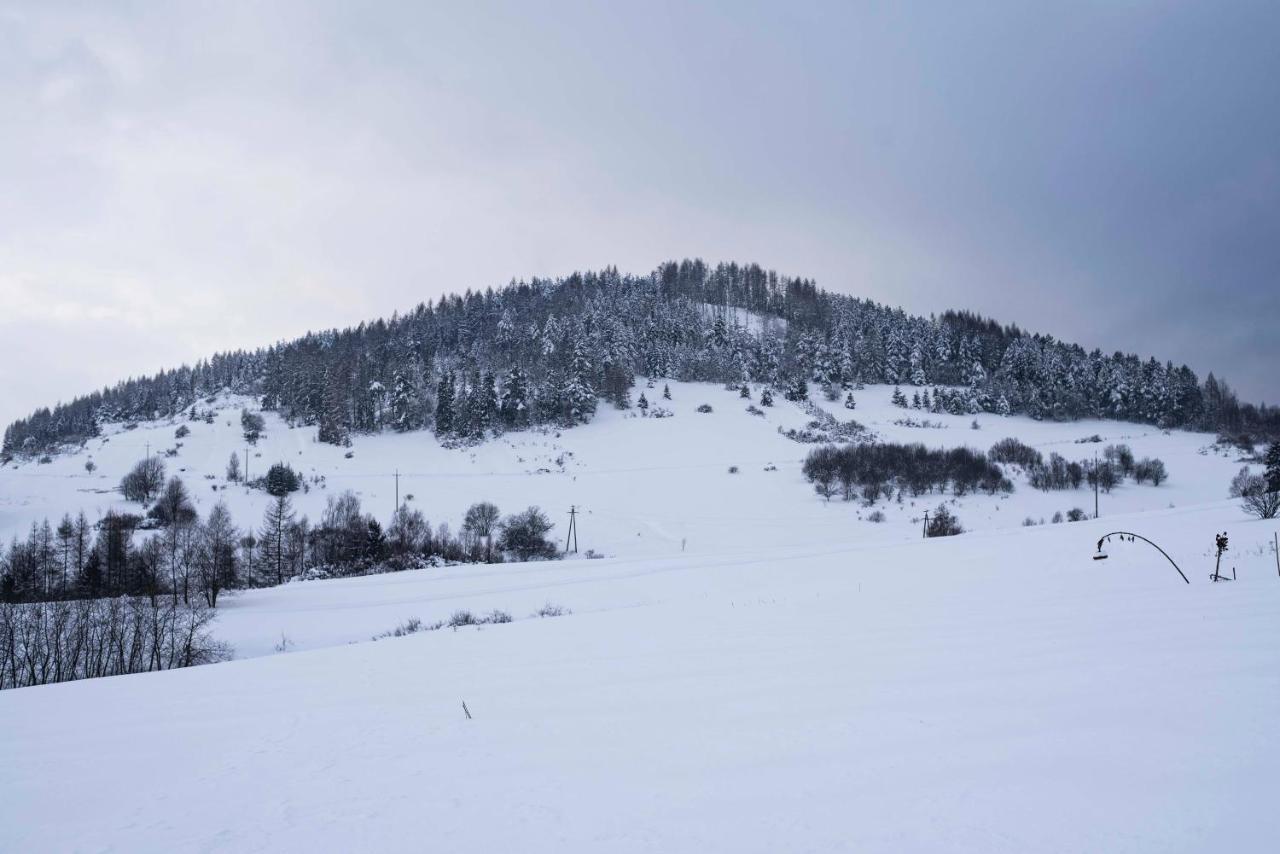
[466,710]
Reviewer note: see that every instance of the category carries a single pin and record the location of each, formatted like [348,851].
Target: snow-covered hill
[749,668]
[645,486]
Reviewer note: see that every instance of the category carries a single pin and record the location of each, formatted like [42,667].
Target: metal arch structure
[1106,537]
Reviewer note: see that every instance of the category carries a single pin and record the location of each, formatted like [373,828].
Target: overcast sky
[180,179]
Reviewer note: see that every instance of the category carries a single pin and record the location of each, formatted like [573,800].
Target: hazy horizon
[186,179]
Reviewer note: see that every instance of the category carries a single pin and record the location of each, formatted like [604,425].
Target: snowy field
[749,668]
[645,486]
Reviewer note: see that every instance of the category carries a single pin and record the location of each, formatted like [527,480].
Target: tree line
[1058,473]
[170,554]
[46,642]
[546,351]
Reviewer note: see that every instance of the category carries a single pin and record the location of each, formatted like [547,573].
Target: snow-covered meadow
[749,668]
[644,486]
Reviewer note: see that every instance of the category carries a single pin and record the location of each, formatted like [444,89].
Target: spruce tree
[1272,461]
[580,395]
[444,405]
[515,399]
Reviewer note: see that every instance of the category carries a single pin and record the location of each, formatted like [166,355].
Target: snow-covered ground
[997,691]
[645,486]
[750,669]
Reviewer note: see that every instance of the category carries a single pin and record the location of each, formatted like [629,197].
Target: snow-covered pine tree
[579,392]
[406,410]
[445,393]
[1272,461]
[515,399]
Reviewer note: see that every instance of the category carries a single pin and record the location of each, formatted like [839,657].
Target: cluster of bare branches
[46,642]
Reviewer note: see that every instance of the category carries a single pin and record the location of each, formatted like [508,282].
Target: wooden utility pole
[1275,541]
[573,530]
[397,510]
[1097,476]
[925,532]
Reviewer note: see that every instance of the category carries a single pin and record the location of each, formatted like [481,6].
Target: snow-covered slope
[998,691]
[750,669]
[645,486]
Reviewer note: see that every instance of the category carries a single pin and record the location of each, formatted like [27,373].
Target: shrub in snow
[1150,469]
[875,516]
[252,425]
[495,617]
[1013,451]
[766,398]
[281,479]
[411,626]
[733,469]
[461,618]
[182,432]
[1075,514]
[1257,498]
[755,411]
[90,466]
[551,610]
[704,408]
[525,535]
[943,524]
[1057,518]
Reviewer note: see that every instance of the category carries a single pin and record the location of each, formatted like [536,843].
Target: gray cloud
[185,178]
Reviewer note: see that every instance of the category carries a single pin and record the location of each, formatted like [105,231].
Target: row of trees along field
[169,552]
[545,351]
